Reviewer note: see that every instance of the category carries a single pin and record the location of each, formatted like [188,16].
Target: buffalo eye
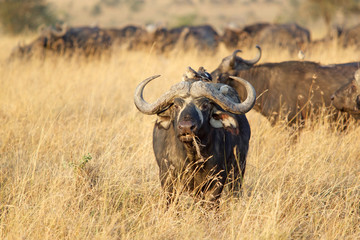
[178,103]
[176,106]
[204,106]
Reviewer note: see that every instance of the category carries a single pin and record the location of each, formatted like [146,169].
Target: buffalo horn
[60,33]
[233,58]
[209,91]
[162,102]
[256,59]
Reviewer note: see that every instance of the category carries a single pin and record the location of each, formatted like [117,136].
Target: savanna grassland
[77,162]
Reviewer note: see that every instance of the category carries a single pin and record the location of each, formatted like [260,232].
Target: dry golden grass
[77,162]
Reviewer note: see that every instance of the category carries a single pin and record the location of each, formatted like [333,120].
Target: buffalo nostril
[332,97]
[187,126]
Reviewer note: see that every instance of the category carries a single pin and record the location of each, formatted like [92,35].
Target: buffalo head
[50,39]
[347,98]
[193,106]
[234,63]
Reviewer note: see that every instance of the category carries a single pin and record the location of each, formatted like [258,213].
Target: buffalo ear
[220,119]
[164,121]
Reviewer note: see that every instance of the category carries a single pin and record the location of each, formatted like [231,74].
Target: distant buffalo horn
[249,62]
[256,59]
[60,33]
[233,58]
[162,102]
[200,88]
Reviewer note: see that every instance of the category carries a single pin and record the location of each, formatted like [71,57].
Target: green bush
[136,5]
[17,16]
[111,3]
[186,20]
[96,10]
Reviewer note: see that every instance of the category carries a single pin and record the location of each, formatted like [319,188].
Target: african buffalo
[234,36]
[185,38]
[347,98]
[290,37]
[64,40]
[122,37]
[201,136]
[86,40]
[288,90]
[152,37]
[202,38]
[50,39]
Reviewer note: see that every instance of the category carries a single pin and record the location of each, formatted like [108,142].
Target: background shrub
[17,16]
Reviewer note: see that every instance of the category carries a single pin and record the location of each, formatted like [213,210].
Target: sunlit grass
[77,162]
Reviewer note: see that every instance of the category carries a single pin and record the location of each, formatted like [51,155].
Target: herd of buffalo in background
[290,90]
[62,39]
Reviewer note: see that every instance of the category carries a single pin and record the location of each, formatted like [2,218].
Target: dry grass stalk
[54,113]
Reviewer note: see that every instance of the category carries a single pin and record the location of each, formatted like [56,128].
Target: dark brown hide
[347,98]
[289,90]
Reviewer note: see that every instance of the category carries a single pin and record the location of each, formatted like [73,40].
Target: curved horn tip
[146,81]
[251,92]
[256,59]
[139,101]
[239,79]
[163,101]
[259,48]
[237,51]
[61,32]
[232,60]
[152,77]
